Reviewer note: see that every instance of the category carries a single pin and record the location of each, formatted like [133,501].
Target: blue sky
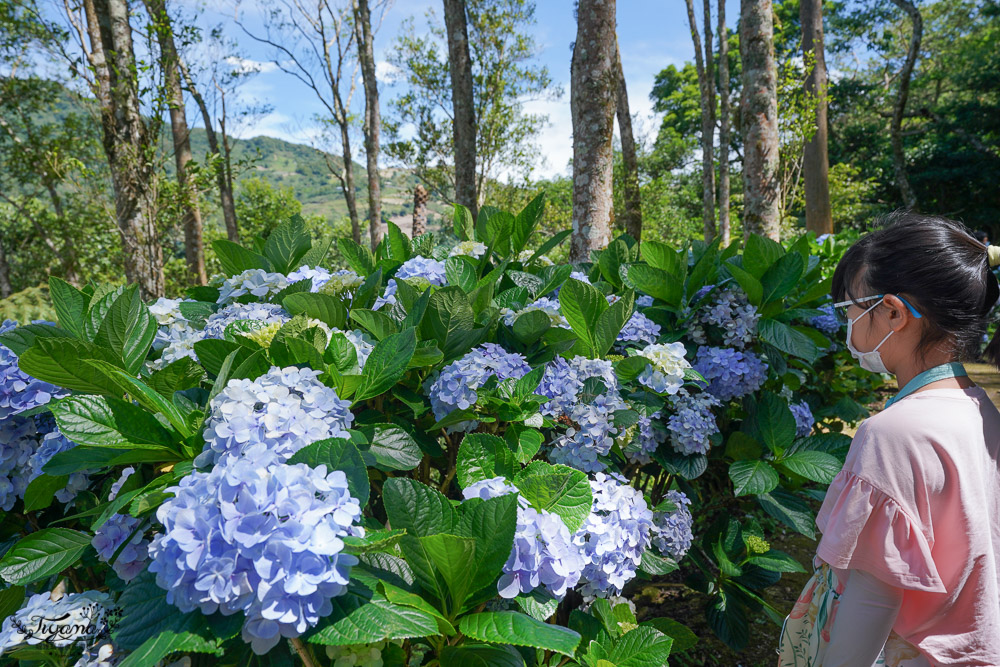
[652,34]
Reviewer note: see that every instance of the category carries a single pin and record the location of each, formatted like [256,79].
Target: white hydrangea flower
[665,375]
[257,282]
[473,249]
[542,260]
[342,281]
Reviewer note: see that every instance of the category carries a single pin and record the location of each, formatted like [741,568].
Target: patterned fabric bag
[805,634]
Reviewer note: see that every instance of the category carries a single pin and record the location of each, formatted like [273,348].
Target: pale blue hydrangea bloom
[18,441]
[431,270]
[68,620]
[362,342]
[176,341]
[111,535]
[827,323]
[388,295]
[672,534]
[256,282]
[730,372]
[803,418]
[643,301]
[171,323]
[285,409]
[692,423]
[117,486]
[455,387]
[317,274]
[260,537]
[216,324]
[18,390]
[614,536]
[51,442]
[548,306]
[731,312]
[665,373]
[543,554]
[639,330]
[649,435]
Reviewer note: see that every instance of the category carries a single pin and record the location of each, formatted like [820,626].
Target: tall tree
[373,121]
[593,89]
[632,195]
[420,197]
[816,162]
[761,185]
[313,43]
[194,252]
[462,101]
[504,80]
[127,141]
[724,125]
[899,107]
[706,86]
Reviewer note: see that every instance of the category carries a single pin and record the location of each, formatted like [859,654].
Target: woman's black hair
[936,265]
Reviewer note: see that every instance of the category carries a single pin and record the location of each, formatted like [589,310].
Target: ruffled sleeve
[864,528]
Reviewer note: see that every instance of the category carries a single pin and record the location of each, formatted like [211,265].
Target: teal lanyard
[951,370]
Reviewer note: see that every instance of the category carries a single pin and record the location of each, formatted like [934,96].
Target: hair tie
[993,253]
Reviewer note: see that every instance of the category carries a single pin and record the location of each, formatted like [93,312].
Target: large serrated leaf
[42,554]
[63,362]
[359,621]
[108,422]
[508,627]
[386,364]
[558,489]
[287,244]
[752,477]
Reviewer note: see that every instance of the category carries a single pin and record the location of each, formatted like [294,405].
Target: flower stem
[303,651]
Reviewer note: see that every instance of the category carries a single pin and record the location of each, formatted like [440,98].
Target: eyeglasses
[840,308]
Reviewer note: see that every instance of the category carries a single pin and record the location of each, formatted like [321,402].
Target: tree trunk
[5,288]
[815,161]
[226,198]
[632,196]
[194,251]
[593,88]
[350,195]
[761,186]
[420,197]
[373,122]
[724,123]
[127,145]
[706,86]
[464,125]
[899,108]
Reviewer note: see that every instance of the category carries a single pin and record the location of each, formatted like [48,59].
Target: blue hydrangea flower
[455,387]
[18,390]
[66,618]
[117,486]
[639,330]
[111,535]
[803,418]
[388,295]
[18,441]
[317,274]
[591,431]
[285,409]
[733,314]
[260,537]
[827,323]
[731,373]
[362,342]
[649,435]
[431,270]
[548,306]
[175,342]
[700,294]
[672,534]
[51,442]
[543,553]
[257,282]
[614,536]
[692,423]
[665,373]
[216,324]
[644,301]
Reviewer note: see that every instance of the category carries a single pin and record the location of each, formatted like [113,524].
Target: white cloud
[387,73]
[248,66]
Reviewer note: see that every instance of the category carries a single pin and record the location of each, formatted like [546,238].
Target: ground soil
[673,600]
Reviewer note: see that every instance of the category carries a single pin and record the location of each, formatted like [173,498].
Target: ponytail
[992,351]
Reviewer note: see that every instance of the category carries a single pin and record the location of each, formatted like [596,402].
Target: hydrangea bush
[456,452]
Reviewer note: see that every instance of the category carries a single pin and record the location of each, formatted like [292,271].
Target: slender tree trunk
[5,288]
[899,108]
[420,197]
[350,195]
[226,198]
[761,185]
[706,86]
[632,197]
[128,146]
[194,251]
[373,122]
[815,161]
[464,125]
[67,256]
[723,32]
[593,89]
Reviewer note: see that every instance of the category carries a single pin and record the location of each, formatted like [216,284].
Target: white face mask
[870,361]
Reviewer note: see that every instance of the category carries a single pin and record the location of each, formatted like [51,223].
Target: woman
[907,565]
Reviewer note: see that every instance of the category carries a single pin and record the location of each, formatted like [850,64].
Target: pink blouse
[917,505]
